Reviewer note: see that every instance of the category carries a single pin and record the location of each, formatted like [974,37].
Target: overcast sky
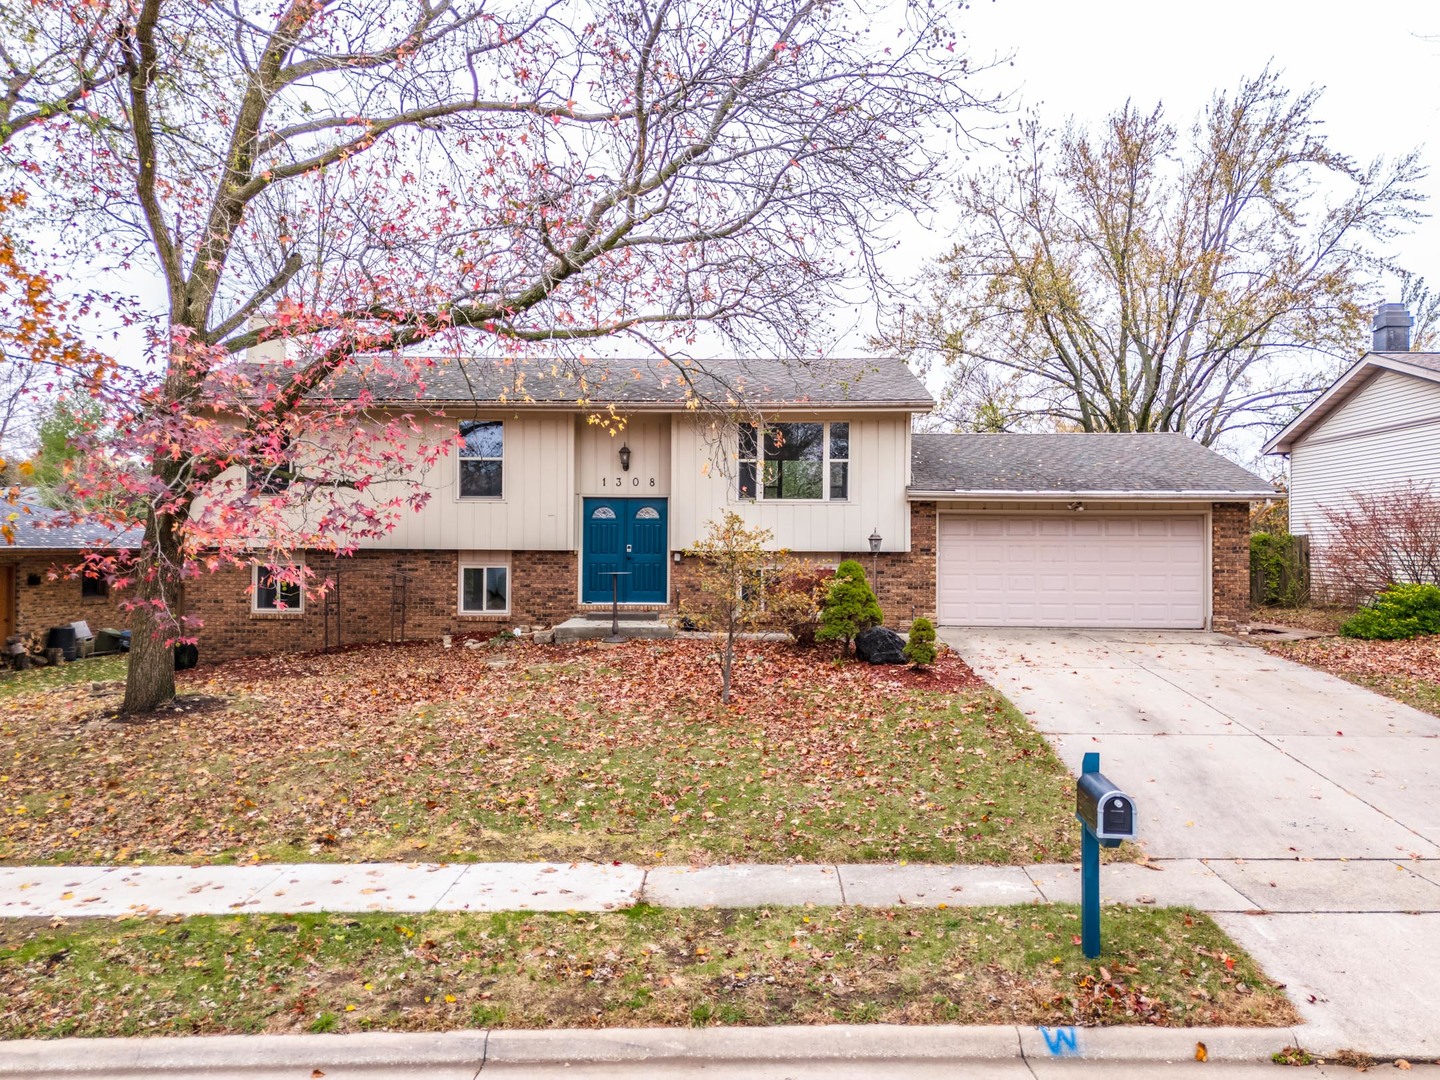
[1379,66]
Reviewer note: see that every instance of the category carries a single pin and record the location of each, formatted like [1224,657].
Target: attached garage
[1143,571]
[1144,531]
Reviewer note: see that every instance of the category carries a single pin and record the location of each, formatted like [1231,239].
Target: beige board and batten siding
[597,458]
[1388,432]
[704,486]
[536,511]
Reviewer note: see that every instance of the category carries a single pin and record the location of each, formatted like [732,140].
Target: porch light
[875,540]
[625,458]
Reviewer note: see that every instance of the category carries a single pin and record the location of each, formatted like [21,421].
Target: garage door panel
[1142,571]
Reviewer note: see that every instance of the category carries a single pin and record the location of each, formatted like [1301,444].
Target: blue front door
[630,536]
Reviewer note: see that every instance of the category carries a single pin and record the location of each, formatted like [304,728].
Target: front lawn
[533,752]
[641,967]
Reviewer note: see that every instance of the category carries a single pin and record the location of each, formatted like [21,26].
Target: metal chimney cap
[1393,315]
[1392,329]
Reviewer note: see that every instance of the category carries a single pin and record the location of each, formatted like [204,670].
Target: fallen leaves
[566,752]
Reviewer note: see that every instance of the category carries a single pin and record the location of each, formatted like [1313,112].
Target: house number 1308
[620,481]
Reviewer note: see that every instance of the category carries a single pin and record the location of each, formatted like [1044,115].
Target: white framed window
[484,587]
[482,459]
[795,461]
[271,596]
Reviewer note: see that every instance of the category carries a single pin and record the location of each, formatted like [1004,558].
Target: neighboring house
[530,519]
[1377,427]
[39,587]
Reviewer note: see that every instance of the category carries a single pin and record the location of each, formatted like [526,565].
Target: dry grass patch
[1408,671]
[530,752]
[642,967]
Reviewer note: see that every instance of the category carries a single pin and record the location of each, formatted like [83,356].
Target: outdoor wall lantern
[1077,506]
[625,458]
[875,541]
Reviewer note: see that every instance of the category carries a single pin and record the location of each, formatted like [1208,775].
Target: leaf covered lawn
[527,752]
[640,967]
[1408,671]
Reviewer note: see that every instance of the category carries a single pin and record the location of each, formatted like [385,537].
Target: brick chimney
[1392,328]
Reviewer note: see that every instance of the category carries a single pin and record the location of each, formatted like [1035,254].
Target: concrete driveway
[1230,752]
[1315,800]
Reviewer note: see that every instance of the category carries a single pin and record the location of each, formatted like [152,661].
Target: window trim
[758,461]
[256,609]
[484,563]
[461,456]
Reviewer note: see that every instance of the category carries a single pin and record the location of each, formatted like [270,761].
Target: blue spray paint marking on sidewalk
[1062,1042]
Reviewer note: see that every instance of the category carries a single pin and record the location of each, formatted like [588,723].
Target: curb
[478,1049]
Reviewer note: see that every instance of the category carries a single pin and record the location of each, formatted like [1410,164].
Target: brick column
[1229,566]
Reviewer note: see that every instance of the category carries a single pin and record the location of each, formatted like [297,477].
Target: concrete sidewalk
[1239,887]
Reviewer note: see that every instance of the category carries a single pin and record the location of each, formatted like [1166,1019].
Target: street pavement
[1316,799]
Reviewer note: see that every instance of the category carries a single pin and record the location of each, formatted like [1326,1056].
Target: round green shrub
[849,605]
[1397,613]
[920,648]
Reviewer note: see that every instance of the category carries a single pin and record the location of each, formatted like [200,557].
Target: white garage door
[1072,570]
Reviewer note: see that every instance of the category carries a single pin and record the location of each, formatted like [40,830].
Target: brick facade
[904,581]
[1229,566]
[41,603]
[542,592]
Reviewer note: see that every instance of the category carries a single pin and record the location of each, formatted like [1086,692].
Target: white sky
[1379,67]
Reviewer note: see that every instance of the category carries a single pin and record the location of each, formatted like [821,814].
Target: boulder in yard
[880,646]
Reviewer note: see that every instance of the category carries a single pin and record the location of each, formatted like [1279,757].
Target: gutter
[914,495]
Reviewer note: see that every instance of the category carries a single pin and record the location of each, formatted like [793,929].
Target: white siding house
[1376,428]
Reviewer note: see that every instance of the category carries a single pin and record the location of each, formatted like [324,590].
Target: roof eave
[647,406]
[931,495]
[1337,393]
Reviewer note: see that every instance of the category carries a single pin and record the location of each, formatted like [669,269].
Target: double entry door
[628,537]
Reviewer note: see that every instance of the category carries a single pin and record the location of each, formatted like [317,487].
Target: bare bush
[1377,539]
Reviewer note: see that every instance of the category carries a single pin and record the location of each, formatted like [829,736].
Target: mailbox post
[1107,816]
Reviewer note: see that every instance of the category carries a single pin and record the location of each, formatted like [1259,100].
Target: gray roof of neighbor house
[39,528]
[658,384]
[1422,365]
[1150,465]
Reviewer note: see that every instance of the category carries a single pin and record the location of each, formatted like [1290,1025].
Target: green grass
[403,754]
[643,966]
[38,680]
[1421,694]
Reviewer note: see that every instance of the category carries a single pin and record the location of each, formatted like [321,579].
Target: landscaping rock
[880,646]
[544,637]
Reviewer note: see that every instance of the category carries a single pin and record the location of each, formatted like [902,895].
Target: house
[1376,427]
[39,587]
[544,514]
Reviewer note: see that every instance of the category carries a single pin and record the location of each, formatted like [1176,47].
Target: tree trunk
[150,679]
[725,666]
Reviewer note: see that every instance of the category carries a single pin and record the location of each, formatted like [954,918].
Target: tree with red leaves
[480,177]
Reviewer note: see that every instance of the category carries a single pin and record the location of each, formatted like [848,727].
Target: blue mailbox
[1107,816]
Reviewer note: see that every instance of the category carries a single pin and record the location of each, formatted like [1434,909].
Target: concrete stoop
[480,1050]
[593,628]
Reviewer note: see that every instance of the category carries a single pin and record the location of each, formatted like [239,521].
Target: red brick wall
[542,592]
[57,603]
[1229,565]
[904,581]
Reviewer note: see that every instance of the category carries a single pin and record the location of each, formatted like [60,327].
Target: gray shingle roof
[38,528]
[1149,464]
[660,384]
